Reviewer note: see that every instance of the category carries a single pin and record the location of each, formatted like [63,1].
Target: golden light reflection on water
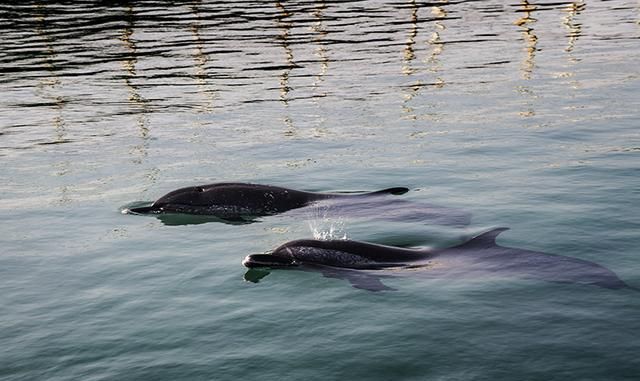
[283,38]
[321,50]
[49,87]
[407,63]
[574,32]
[322,53]
[436,43]
[136,101]
[526,23]
[431,63]
[200,60]
[574,28]
[285,29]
[409,53]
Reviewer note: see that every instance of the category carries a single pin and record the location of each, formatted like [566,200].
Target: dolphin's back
[233,199]
[236,199]
[349,254]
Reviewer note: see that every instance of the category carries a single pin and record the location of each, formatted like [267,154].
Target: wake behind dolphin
[363,264]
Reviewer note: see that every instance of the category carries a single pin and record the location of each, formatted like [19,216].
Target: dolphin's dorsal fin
[394,191]
[486,239]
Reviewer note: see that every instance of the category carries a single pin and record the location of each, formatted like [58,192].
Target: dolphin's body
[364,263]
[238,201]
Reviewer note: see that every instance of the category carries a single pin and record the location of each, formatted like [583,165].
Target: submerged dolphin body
[388,209]
[239,201]
[363,264]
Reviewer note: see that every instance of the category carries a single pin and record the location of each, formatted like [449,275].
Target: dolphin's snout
[266,260]
[142,210]
[249,262]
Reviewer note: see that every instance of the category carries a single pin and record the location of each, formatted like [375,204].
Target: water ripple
[141,57]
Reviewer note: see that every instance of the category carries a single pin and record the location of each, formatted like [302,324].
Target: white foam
[324,225]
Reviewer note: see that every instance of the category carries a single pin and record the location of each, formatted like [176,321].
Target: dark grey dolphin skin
[233,201]
[363,263]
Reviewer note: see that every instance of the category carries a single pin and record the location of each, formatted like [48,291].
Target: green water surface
[525,114]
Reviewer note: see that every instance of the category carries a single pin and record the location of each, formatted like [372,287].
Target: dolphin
[363,264]
[241,201]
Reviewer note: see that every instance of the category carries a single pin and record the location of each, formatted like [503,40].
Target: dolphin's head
[312,252]
[177,200]
[192,196]
[291,254]
[188,199]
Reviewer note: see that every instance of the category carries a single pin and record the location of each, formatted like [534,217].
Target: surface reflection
[284,25]
[321,50]
[428,76]
[408,58]
[435,41]
[282,20]
[322,54]
[194,57]
[409,53]
[200,60]
[526,23]
[136,100]
[574,28]
[573,32]
[49,87]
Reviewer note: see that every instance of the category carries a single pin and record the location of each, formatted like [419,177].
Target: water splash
[325,224]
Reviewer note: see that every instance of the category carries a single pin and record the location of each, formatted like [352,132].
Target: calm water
[524,113]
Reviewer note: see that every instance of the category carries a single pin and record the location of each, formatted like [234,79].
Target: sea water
[523,113]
